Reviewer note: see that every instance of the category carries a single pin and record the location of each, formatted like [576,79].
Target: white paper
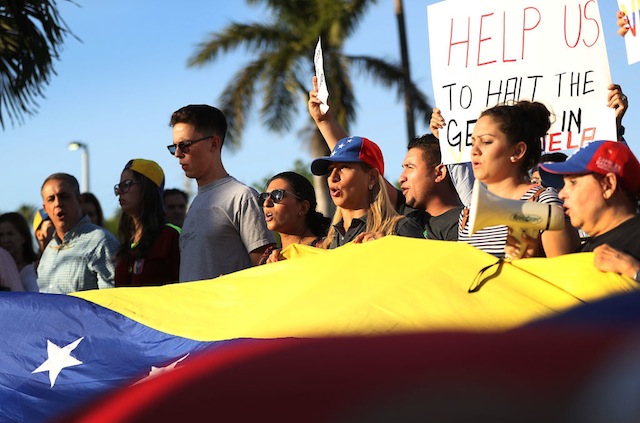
[490,52]
[632,38]
[323,92]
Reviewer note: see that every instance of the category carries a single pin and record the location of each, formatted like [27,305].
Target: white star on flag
[157,371]
[341,145]
[349,140]
[58,359]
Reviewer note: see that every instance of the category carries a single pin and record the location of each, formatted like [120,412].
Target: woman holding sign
[505,145]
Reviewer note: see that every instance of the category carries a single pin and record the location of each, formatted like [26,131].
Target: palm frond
[390,75]
[253,37]
[237,100]
[341,96]
[280,90]
[354,12]
[32,33]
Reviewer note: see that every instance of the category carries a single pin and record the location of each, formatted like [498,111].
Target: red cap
[600,157]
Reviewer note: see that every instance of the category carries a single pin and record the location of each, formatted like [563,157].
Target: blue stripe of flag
[113,350]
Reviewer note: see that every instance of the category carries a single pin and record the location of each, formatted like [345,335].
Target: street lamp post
[76,145]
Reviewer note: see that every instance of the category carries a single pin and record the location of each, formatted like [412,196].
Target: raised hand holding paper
[631,10]
[323,92]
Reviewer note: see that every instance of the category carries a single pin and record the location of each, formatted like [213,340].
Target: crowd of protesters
[229,226]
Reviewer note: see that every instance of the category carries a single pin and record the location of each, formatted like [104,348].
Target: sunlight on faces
[491,152]
[10,238]
[583,201]
[349,185]
[62,205]
[282,217]
[417,179]
[130,200]
[197,163]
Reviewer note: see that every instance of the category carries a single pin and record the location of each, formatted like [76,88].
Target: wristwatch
[637,276]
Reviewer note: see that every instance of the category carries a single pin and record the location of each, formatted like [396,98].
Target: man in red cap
[600,194]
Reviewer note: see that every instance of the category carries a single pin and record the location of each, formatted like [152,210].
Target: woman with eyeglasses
[149,253]
[289,206]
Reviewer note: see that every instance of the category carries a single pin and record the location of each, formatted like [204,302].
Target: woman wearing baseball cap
[600,189]
[355,172]
[43,230]
[149,252]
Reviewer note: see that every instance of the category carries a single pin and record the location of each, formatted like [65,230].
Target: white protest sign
[323,92]
[488,52]
[631,8]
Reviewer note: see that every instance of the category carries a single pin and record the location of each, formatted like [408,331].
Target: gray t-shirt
[224,223]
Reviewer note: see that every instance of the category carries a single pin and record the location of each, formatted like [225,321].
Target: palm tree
[404,54]
[284,49]
[31,33]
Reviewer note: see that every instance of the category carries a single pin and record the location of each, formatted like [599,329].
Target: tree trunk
[325,204]
[408,95]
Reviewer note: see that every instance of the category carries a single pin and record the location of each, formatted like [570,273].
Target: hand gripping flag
[60,351]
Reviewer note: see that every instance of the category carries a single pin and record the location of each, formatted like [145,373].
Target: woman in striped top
[505,145]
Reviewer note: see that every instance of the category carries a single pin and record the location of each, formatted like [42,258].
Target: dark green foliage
[31,35]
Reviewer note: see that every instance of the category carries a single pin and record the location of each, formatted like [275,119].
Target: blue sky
[116,89]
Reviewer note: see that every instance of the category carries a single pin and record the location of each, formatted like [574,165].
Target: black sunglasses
[276,196]
[123,186]
[184,145]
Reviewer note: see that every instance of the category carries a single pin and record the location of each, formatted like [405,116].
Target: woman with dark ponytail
[506,144]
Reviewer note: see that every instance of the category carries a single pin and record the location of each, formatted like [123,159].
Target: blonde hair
[381,216]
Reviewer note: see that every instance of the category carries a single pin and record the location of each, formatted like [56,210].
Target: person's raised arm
[326,122]
[437,122]
[331,130]
[619,102]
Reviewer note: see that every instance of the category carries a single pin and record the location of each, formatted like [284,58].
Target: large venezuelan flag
[59,351]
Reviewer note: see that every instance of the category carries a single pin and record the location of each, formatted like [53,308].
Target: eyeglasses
[123,186]
[276,196]
[184,145]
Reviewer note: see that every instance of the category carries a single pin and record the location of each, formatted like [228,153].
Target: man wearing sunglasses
[224,230]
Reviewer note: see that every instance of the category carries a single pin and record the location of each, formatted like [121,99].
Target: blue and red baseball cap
[350,150]
[600,157]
